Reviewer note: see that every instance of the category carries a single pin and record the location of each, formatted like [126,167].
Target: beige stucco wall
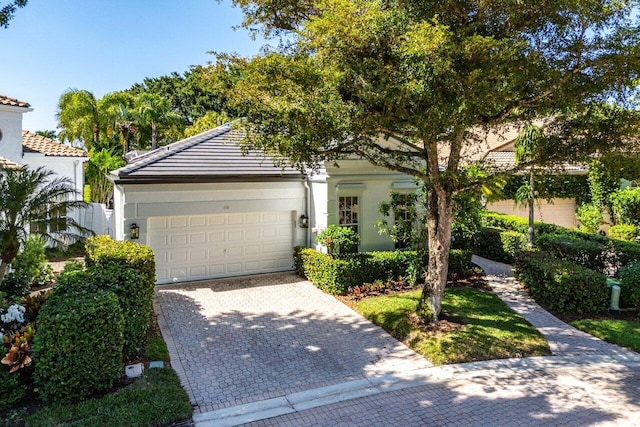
[556,211]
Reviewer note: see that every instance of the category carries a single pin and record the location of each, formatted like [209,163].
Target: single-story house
[209,210]
[19,148]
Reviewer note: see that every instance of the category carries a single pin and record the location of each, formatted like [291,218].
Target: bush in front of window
[339,241]
[337,275]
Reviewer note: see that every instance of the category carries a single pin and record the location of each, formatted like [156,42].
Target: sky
[108,45]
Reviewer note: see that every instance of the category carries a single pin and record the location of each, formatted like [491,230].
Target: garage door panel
[215,236]
[218,245]
[178,222]
[178,239]
[197,238]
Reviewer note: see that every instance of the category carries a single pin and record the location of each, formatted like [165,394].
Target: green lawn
[154,399]
[622,332]
[491,330]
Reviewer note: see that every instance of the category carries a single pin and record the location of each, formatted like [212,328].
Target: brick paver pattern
[243,340]
[246,340]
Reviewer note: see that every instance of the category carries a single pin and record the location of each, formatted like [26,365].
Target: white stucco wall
[136,203]
[11,127]
[373,185]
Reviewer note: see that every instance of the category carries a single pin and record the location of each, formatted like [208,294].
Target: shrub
[78,345]
[623,253]
[519,224]
[588,254]
[499,245]
[29,268]
[337,275]
[626,232]
[11,390]
[626,205]
[135,296]
[15,284]
[590,217]
[339,240]
[562,285]
[459,263]
[127,269]
[630,289]
[104,250]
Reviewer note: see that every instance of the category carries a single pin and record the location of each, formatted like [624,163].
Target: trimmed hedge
[519,224]
[585,253]
[128,270]
[630,289]
[78,344]
[498,244]
[562,285]
[337,275]
[104,250]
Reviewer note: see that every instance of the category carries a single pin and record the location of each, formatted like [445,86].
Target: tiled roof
[8,164]
[34,143]
[211,155]
[507,159]
[5,100]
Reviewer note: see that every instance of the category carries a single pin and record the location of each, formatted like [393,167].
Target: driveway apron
[243,340]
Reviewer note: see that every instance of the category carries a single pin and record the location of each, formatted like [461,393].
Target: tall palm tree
[154,111]
[78,116]
[36,200]
[526,150]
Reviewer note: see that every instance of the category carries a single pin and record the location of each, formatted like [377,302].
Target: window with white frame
[348,212]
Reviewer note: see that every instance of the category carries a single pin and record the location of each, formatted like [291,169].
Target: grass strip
[154,399]
[625,333]
[490,329]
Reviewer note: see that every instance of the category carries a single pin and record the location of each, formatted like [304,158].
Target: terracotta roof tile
[5,100]
[8,164]
[34,143]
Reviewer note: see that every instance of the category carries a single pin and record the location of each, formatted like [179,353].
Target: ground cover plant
[154,399]
[476,325]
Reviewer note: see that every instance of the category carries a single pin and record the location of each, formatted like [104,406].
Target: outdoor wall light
[303,221]
[135,231]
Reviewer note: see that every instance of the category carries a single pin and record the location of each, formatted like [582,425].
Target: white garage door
[199,247]
[557,211]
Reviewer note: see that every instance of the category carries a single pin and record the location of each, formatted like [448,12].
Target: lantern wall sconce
[303,221]
[135,231]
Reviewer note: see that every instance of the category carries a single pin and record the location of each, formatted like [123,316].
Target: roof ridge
[173,148]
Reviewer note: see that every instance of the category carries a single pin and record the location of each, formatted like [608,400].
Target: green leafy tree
[210,120]
[36,200]
[8,10]
[98,167]
[79,118]
[413,86]
[153,111]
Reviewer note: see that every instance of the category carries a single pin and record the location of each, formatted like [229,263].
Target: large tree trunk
[439,221]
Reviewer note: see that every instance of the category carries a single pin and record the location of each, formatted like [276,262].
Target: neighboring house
[209,210]
[19,148]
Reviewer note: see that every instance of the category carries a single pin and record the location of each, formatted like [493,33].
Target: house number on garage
[225,207]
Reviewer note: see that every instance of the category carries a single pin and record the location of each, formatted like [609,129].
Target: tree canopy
[8,10]
[415,85]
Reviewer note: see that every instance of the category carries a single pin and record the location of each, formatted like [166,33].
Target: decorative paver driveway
[244,340]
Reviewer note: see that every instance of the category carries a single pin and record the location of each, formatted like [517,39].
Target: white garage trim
[197,247]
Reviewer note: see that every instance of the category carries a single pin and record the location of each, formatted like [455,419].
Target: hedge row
[337,275]
[498,244]
[573,244]
[562,285]
[95,317]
